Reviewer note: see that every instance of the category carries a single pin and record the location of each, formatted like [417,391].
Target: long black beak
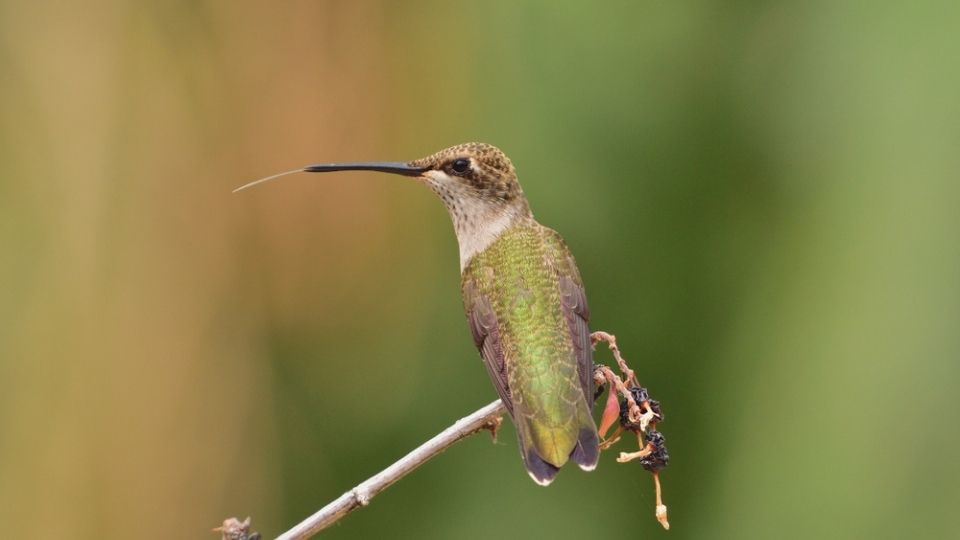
[395,167]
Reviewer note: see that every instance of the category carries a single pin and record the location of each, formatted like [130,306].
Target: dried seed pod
[658,456]
[647,405]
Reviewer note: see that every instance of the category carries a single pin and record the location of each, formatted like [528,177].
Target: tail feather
[586,453]
[542,472]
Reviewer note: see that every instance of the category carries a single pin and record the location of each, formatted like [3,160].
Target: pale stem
[487,417]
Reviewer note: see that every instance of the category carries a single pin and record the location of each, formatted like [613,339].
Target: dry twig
[488,417]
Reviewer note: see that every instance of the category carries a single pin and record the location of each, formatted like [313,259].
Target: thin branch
[487,417]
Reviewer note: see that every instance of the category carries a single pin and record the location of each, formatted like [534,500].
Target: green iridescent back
[521,296]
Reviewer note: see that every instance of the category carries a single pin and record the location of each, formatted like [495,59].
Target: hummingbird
[524,301]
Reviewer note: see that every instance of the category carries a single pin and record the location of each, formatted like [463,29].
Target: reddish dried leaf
[611,412]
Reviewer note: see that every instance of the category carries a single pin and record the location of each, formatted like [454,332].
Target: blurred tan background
[762,199]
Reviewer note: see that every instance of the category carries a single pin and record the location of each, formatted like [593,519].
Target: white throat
[477,233]
[477,222]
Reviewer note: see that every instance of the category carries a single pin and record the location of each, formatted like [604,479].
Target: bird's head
[471,173]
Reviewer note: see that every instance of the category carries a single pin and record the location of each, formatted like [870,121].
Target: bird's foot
[493,426]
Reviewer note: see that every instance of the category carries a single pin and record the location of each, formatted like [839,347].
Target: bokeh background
[762,197]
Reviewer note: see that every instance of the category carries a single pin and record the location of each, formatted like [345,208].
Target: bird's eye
[460,166]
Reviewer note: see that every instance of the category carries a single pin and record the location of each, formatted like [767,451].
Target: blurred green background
[762,197]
